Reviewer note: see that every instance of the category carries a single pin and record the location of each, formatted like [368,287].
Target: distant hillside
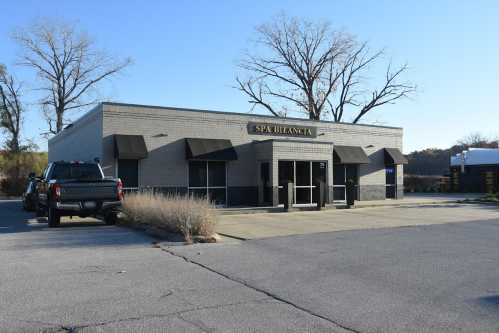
[428,162]
[435,162]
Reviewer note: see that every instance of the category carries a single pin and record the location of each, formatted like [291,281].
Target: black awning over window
[394,156]
[129,147]
[209,149]
[350,155]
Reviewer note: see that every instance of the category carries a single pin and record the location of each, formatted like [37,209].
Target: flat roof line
[242,114]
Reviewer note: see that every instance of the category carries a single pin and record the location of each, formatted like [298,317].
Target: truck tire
[54,218]
[39,212]
[110,218]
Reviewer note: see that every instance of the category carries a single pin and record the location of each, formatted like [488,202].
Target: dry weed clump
[187,215]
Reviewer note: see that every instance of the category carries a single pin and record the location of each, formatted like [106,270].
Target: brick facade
[165,129]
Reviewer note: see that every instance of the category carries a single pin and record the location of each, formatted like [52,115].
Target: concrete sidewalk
[252,226]
[408,200]
[420,199]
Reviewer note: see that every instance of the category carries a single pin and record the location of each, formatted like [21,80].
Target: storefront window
[128,172]
[197,174]
[208,179]
[216,174]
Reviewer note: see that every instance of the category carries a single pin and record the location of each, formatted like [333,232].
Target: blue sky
[185,54]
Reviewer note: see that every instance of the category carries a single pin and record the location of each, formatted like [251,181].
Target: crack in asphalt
[197,323]
[177,314]
[268,293]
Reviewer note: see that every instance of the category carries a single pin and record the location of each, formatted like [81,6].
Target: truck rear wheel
[54,218]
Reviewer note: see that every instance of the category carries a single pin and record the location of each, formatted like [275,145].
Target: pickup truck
[77,189]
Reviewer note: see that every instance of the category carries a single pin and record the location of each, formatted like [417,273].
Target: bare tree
[11,110]
[69,68]
[308,67]
[476,140]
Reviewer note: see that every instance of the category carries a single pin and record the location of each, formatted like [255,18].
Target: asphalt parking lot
[96,278]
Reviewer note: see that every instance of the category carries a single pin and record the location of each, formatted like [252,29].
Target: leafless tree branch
[310,68]
[68,67]
[11,110]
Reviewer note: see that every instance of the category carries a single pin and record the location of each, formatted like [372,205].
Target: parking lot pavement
[430,278]
[96,278]
[263,225]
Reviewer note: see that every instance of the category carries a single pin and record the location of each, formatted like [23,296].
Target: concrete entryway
[251,226]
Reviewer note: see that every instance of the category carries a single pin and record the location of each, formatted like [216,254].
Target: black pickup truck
[77,189]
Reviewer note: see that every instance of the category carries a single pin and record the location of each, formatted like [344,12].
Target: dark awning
[394,156]
[350,155]
[129,147]
[209,149]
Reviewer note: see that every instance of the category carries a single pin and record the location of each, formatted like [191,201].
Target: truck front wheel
[54,218]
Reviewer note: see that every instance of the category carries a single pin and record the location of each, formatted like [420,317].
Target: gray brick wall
[82,141]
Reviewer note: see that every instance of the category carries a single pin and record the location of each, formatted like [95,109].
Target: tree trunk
[15,143]
[59,123]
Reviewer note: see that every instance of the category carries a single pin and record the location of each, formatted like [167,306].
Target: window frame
[207,187]
[311,185]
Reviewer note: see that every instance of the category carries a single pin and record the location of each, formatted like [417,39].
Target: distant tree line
[436,162]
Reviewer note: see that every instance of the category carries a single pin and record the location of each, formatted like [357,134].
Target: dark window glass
[83,171]
[217,196]
[198,193]
[303,195]
[352,173]
[338,174]
[265,173]
[319,172]
[302,173]
[128,172]
[339,193]
[265,182]
[390,175]
[285,172]
[197,174]
[216,174]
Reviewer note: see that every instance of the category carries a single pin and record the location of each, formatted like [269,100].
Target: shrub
[187,215]
[417,183]
[15,168]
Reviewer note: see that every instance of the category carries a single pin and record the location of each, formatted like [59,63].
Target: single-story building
[237,159]
[475,170]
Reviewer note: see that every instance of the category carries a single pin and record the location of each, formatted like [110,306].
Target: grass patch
[192,217]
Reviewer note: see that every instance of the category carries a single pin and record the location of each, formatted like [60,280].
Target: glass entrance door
[391,181]
[265,182]
[305,175]
[303,184]
[285,175]
[342,173]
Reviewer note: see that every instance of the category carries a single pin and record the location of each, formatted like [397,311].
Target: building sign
[282,130]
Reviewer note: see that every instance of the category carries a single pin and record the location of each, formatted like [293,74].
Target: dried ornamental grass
[174,213]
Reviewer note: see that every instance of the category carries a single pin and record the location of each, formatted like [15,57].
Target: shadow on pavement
[16,234]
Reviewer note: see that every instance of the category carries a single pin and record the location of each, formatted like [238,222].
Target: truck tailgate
[79,191]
